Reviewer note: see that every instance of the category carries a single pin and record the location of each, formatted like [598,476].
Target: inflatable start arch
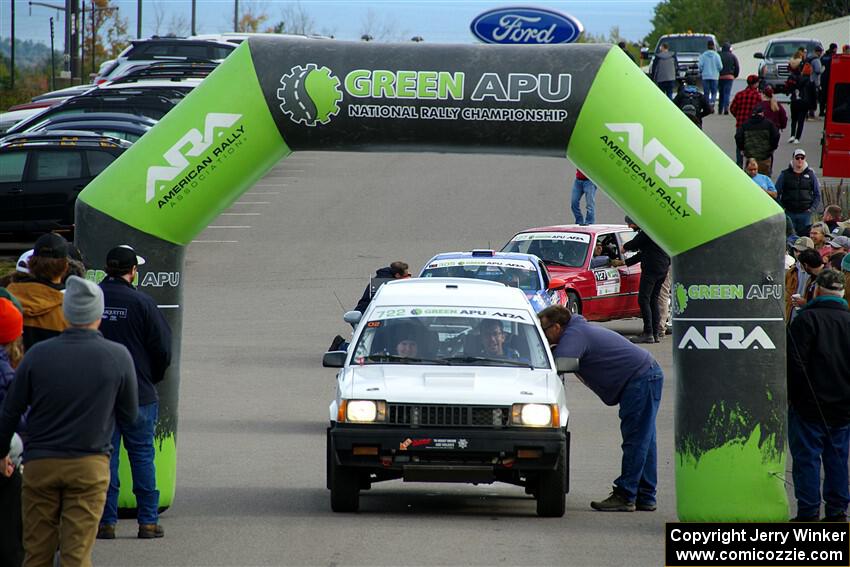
[589,103]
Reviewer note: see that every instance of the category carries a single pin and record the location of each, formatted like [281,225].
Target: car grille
[782,70]
[447,416]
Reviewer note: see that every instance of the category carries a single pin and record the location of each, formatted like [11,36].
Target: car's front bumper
[446,454]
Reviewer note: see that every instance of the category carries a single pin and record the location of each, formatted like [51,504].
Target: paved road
[264,294]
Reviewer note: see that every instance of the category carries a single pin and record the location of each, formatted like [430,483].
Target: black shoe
[799,518]
[646,506]
[614,503]
[836,518]
[150,531]
[659,338]
[106,531]
[643,338]
[338,340]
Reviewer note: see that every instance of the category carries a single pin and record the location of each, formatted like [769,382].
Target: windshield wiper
[381,357]
[507,361]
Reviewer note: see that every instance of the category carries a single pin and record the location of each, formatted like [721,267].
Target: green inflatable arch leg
[590,102]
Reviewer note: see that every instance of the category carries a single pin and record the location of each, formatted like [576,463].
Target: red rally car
[590,260]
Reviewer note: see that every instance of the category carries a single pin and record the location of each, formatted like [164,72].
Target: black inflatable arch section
[274,96]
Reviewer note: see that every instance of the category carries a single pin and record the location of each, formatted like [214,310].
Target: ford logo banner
[534,26]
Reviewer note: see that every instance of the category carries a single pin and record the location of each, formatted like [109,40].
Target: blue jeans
[638,408]
[588,189]
[709,87]
[138,440]
[801,221]
[725,92]
[811,444]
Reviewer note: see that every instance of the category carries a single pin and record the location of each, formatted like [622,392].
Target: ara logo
[730,337]
[309,94]
[176,155]
[667,166]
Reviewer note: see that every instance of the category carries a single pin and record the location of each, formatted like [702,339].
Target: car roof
[62,138]
[457,292]
[806,39]
[587,229]
[496,255]
[104,117]
[154,84]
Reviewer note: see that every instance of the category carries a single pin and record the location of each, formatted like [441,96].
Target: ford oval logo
[534,26]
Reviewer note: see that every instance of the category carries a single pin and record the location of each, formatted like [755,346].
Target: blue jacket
[710,64]
[132,318]
[607,360]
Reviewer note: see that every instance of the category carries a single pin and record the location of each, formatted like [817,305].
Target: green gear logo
[680,299]
[310,94]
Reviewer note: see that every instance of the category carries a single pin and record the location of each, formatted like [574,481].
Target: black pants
[799,113]
[650,288]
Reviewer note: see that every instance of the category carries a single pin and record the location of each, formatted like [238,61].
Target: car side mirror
[352,317]
[334,359]
[644,53]
[758,55]
[566,364]
[557,283]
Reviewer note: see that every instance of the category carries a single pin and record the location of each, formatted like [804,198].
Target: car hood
[450,384]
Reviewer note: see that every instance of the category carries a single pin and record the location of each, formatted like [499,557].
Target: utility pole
[74,18]
[12,74]
[193,18]
[235,15]
[139,19]
[52,59]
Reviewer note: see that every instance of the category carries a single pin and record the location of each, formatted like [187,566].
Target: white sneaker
[792,140]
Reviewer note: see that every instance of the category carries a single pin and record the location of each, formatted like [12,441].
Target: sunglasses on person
[799,157]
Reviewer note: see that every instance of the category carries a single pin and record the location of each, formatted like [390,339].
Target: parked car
[41,174]
[835,152]
[687,47]
[151,100]
[525,271]
[128,127]
[444,411]
[596,289]
[773,69]
[169,71]
[159,49]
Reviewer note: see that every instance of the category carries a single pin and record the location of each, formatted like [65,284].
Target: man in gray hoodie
[664,68]
[76,385]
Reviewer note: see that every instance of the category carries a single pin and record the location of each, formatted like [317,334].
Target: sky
[438,21]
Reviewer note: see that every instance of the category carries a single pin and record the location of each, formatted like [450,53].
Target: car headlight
[363,411]
[769,69]
[535,415]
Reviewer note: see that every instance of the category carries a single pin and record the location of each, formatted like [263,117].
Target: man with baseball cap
[40,290]
[77,385]
[819,401]
[798,191]
[796,278]
[133,319]
[840,243]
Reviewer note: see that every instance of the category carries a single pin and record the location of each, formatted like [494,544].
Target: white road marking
[168,306]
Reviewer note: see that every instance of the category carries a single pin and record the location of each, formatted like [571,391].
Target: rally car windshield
[519,274]
[786,49]
[451,336]
[558,248]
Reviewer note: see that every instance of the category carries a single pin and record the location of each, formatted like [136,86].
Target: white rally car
[449,380]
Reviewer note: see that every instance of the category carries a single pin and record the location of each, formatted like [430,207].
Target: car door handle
[835,136]
[14,191]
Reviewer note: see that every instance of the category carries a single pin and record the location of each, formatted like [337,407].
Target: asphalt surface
[264,294]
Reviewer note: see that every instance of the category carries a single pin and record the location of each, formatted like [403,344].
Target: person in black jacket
[396,270]
[692,102]
[730,71]
[798,191]
[758,138]
[654,263]
[132,318]
[819,400]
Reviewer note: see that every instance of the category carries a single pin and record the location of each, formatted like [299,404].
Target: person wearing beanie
[11,348]
[77,386]
[134,320]
[819,401]
[40,290]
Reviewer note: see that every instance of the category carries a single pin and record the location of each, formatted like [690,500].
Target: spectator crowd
[78,364]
